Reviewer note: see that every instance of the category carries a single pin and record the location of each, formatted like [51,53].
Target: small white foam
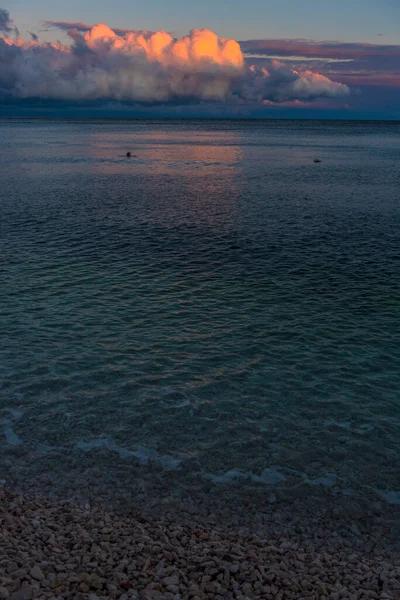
[348,492]
[270,476]
[87,446]
[16,414]
[144,455]
[348,426]
[46,449]
[185,402]
[390,497]
[327,480]
[11,437]
[339,424]
[365,429]
[228,477]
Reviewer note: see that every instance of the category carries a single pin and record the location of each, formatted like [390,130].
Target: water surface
[216,315]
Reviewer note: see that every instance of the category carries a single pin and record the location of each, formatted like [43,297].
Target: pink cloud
[355,64]
[151,67]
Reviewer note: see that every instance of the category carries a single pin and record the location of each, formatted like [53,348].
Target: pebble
[12,566]
[37,573]
[24,593]
[171,581]
[98,555]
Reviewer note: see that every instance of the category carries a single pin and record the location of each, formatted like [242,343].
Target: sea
[211,325]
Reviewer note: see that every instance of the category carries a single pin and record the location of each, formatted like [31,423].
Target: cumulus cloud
[148,67]
[279,83]
[6,23]
[357,64]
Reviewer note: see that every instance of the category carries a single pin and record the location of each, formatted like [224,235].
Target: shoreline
[55,549]
[185,497]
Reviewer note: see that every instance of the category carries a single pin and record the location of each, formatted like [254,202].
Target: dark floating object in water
[316,160]
[128,154]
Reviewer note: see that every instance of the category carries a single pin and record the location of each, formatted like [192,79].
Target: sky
[288,47]
[347,20]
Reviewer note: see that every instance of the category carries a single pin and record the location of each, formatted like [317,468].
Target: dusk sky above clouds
[260,58]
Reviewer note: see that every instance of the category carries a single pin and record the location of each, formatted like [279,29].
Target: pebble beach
[58,550]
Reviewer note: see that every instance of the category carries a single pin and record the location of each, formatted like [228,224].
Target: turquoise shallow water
[217,312]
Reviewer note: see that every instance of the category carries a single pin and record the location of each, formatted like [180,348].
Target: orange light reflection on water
[206,176]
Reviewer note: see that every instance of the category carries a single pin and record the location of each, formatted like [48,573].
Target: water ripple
[219,299]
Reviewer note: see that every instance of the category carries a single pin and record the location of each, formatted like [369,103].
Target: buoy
[128,154]
[316,160]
